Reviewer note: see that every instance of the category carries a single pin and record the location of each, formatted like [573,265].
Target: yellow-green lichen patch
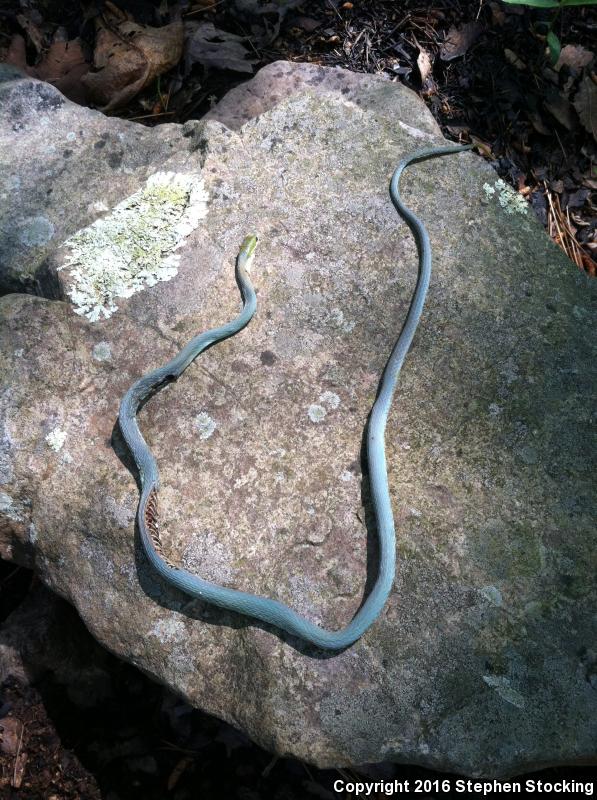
[134,246]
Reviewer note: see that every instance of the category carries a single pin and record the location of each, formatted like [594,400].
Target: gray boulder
[483,661]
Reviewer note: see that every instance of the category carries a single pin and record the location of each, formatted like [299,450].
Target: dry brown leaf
[585,103]
[128,57]
[575,56]
[483,147]
[63,65]
[459,40]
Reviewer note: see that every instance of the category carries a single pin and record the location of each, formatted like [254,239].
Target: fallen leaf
[585,103]
[63,65]
[538,124]
[575,56]
[31,29]
[457,131]
[497,15]
[307,24]
[181,767]
[280,7]
[128,57]
[459,40]
[483,147]
[577,199]
[559,107]
[205,44]
[424,64]
[513,59]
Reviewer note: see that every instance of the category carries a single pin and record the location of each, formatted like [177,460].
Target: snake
[265,609]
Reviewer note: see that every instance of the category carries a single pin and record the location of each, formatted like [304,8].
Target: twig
[334,8]
[205,8]
[151,116]
[14,772]
[560,230]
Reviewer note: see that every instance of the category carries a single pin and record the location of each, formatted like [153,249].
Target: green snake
[263,608]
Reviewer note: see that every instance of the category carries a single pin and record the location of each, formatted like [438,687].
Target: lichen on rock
[509,200]
[134,246]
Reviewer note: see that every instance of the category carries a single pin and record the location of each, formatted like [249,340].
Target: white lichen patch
[336,317]
[133,247]
[416,133]
[102,351]
[509,200]
[11,508]
[167,630]
[502,686]
[205,425]
[36,231]
[330,399]
[56,439]
[316,413]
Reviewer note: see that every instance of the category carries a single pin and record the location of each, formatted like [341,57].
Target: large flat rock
[483,661]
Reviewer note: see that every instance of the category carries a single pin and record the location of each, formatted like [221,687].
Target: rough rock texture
[483,660]
[41,166]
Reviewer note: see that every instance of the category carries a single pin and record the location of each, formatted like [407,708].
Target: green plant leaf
[575,2]
[554,45]
[539,3]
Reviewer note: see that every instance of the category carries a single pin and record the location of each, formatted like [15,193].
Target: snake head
[247,251]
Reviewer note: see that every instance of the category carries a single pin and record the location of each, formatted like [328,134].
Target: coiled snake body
[263,608]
